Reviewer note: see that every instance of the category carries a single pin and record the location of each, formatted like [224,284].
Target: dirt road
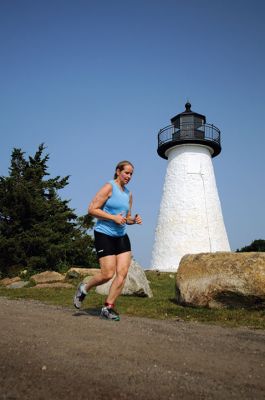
[50,352]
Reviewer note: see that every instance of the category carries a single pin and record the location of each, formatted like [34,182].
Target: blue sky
[96,80]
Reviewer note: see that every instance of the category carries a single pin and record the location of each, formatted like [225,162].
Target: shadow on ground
[94,312]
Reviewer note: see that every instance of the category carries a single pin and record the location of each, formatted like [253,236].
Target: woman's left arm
[133,220]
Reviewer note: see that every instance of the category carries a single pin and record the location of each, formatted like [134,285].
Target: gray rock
[136,283]
[18,285]
[222,279]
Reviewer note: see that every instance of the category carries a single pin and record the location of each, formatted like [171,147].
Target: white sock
[83,290]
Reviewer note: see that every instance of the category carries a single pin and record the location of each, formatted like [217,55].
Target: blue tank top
[118,202]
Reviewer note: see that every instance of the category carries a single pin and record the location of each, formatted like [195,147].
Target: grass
[161,306]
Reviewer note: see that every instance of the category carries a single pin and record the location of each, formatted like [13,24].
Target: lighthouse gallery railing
[189,132]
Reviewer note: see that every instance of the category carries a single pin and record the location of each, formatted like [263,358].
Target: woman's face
[125,174]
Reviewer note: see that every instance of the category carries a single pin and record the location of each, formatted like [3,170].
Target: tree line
[38,229]
[256,245]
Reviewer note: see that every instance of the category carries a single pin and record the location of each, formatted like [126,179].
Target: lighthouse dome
[189,127]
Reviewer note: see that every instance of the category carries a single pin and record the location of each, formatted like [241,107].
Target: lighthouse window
[199,128]
[187,126]
[186,119]
[198,122]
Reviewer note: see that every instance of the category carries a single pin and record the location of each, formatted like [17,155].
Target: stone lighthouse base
[190,219]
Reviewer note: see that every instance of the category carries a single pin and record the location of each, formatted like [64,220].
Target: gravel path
[50,352]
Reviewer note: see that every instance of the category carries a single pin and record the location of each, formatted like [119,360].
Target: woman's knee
[107,275]
[107,267]
[121,277]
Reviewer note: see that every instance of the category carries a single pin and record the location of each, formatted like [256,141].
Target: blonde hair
[121,166]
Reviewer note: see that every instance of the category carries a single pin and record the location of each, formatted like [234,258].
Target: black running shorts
[111,245]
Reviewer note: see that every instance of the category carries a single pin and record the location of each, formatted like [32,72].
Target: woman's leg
[122,266]
[107,270]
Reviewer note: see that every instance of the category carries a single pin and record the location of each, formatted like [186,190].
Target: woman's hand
[119,219]
[138,219]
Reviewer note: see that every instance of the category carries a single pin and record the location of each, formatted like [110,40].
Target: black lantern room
[189,127]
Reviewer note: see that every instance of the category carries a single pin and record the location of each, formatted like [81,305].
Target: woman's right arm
[98,201]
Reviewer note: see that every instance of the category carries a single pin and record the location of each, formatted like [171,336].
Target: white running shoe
[79,296]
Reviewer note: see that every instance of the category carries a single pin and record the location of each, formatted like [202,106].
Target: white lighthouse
[190,218]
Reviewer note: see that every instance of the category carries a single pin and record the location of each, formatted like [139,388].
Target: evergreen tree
[38,230]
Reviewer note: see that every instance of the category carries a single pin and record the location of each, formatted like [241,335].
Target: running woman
[112,207]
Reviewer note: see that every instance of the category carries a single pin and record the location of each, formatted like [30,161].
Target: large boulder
[136,283]
[222,279]
[76,272]
[47,277]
